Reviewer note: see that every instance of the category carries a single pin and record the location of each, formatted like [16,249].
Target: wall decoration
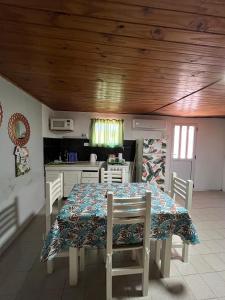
[19,129]
[19,132]
[22,160]
[1,114]
[154,159]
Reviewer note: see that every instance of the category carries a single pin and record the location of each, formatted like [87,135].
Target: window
[183,141]
[106,133]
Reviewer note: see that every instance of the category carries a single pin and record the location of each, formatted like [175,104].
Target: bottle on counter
[65,156]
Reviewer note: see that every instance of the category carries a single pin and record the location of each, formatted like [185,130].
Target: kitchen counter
[77,172]
[77,164]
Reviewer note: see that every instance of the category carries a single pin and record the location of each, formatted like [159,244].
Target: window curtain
[106,133]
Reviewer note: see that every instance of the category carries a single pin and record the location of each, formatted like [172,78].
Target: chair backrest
[132,210]
[183,188]
[112,176]
[54,191]
[8,223]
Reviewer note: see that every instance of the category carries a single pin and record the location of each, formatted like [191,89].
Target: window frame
[187,139]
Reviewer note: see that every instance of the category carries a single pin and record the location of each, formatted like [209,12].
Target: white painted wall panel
[27,189]
[210,148]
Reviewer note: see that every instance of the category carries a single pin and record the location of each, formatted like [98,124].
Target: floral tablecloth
[82,220]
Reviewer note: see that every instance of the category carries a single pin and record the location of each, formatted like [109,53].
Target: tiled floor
[23,277]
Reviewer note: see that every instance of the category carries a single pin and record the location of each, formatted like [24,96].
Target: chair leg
[82,259]
[50,266]
[158,246]
[133,255]
[109,277]
[185,253]
[73,266]
[166,256]
[145,280]
[59,204]
[104,256]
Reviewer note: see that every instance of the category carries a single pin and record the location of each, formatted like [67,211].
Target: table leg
[166,256]
[73,266]
[158,246]
[82,259]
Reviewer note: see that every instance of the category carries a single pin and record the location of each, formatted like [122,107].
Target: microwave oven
[61,124]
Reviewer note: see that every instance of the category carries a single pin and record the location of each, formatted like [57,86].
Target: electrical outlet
[86,144]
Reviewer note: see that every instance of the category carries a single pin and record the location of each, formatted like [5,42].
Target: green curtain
[106,133]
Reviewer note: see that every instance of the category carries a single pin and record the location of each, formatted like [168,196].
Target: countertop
[74,164]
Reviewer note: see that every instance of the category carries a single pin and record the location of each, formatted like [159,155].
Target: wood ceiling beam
[209,7]
[90,24]
[137,14]
[73,48]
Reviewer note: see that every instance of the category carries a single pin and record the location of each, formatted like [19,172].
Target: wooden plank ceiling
[122,56]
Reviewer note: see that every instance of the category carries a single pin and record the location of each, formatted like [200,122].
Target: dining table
[82,221]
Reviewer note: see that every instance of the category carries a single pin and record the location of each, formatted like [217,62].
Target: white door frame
[180,123]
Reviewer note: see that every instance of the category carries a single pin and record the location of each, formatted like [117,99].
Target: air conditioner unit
[146,124]
[61,124]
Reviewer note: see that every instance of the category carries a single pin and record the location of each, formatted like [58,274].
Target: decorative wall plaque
[22,160]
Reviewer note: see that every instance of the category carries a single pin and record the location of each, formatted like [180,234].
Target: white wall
[210,154]
[47,113]
[28,189]
[210,148]
[82,122]
[223,185]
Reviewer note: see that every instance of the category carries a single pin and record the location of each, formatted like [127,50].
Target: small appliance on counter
[126,167]
[72,157]
[120,156]
[93,158]
[112,159]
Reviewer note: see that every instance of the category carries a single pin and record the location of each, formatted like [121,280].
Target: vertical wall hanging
[154,160]
[19,132]
[1,114]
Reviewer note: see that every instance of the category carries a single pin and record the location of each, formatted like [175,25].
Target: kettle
[93,158]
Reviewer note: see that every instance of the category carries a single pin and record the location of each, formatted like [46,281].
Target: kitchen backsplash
[53,148]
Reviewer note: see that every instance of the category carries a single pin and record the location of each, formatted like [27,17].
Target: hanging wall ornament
[22,160]
[19,132]
[19,129]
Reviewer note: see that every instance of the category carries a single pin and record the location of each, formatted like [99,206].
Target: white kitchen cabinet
[52,174]
[90,176]
[70,178]
[80,172]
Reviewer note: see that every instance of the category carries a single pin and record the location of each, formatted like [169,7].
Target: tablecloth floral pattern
[82,220]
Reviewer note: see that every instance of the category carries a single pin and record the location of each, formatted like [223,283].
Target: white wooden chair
[128,211]
[54,191]
[112,176]
[183,189]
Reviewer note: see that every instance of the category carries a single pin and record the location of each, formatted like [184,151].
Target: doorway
[183,150]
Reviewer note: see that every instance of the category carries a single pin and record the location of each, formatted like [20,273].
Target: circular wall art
[1,114]
[19,129]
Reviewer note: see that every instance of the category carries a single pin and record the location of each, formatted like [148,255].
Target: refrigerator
[150,160]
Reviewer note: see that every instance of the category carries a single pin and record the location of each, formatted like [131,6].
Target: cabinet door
[70,178]
[89,180]
[52,175]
